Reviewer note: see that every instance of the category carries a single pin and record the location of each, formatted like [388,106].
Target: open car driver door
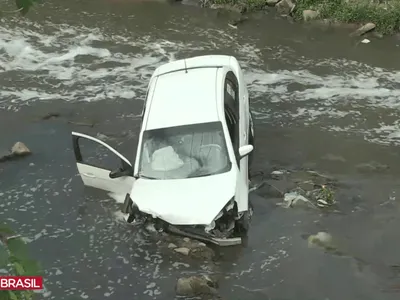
[100,166]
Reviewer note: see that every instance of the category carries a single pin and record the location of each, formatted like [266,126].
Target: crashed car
[191,172]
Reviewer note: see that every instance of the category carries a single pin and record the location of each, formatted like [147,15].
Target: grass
[15,260]
[385,16]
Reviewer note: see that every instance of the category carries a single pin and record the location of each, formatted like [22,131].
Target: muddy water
[321,100]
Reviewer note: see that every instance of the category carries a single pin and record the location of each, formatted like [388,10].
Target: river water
[321,100]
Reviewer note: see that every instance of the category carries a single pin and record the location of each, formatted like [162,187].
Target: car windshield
[187,151]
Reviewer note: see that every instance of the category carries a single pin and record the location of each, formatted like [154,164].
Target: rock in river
[19,149]
[195,286]
[182,250]
[309,15]
[202,252]
[364,29]
[285,7]
[172,246]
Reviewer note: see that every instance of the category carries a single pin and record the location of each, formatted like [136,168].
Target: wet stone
[285,7]
[364,29]
[20,149]
[182,250]
[309,15]
[202,252]
[188,243]
[196,286]
[172,246]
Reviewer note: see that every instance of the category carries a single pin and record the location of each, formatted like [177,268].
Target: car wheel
[243,224]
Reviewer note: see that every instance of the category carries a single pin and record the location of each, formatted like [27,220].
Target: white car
[191,173]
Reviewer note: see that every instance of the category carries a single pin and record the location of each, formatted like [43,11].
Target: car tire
[243,224]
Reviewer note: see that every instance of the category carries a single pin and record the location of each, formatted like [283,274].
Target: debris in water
[322,240]
[293,198]
[365,41]
[304,187]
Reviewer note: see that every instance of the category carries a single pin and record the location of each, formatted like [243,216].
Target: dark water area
[321,100]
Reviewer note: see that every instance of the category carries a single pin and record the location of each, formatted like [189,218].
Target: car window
[184,152]
[230,89]
[97,155]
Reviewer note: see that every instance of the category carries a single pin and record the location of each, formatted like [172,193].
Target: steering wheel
[212,145]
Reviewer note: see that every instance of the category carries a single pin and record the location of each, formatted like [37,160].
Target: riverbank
[385,15]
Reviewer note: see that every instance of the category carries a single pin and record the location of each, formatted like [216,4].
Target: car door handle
[89,175]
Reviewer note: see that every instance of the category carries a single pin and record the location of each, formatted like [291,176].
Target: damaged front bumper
[207,235]
[199,234]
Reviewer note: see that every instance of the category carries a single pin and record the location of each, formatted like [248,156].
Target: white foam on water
[77,63]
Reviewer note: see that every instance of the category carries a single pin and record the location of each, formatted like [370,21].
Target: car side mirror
[120,172]
[245,150]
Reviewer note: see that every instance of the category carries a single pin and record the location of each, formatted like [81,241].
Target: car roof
[183,97]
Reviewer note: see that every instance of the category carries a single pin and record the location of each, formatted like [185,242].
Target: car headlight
[229,206]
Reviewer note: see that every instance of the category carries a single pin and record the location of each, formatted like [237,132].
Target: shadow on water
[77,233]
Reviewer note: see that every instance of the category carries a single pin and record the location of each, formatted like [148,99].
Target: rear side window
[230,89]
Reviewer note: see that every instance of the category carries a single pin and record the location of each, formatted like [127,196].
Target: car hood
[191,201]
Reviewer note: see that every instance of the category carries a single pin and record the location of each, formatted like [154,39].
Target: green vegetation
[385,15]
[23,6]
[14,259]
[249,5]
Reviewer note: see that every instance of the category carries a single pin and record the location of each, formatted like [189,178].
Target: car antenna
[185,66]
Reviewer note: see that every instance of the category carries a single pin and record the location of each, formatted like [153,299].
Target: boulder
[364,29]
[196,286]
[20,149]
[202,252]
[285,7]
[182,250]
[309,15]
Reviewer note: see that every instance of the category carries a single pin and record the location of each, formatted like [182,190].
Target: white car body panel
[194,201]
[98,177]
[200,108]
[178,97]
